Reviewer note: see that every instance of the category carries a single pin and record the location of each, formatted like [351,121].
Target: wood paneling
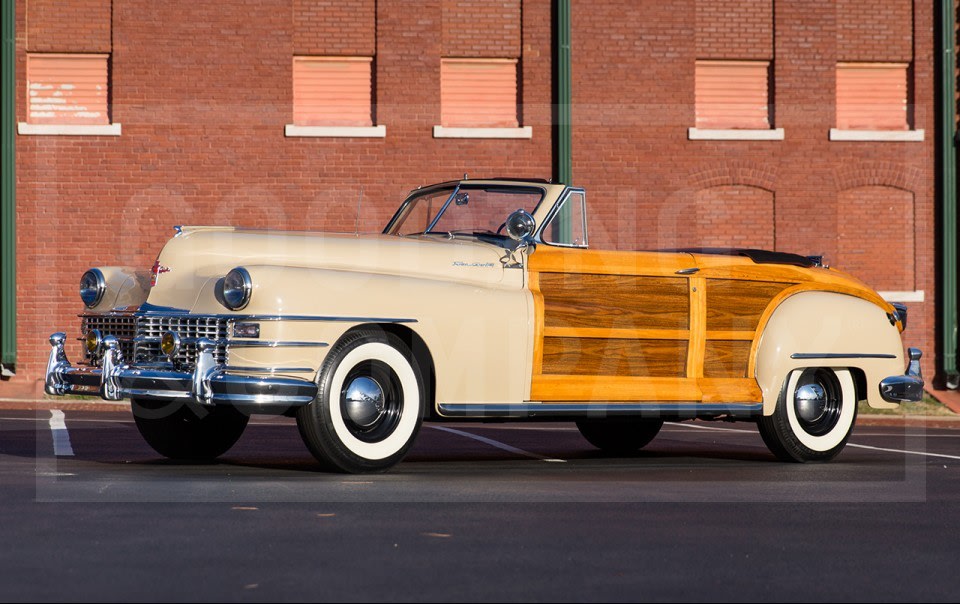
[726,359]
[600,356]
[614,301]
[698,302]
[562,260]
[730,390]
[612,388]
[622,334]
[738,305]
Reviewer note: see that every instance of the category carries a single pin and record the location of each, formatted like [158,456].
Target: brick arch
[876,236]
[878,174]
[734,215]
[734,173]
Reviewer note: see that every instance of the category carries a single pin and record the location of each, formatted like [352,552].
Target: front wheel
[814,416]
[369,404]
[185,430]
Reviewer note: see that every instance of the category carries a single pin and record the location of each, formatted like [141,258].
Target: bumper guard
[906,388]
[208,384]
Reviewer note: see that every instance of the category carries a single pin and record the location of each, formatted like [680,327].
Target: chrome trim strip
[598,410]
[143,393]
[150,310]
[271,369]
[318,318]
[273,344]
[839,355]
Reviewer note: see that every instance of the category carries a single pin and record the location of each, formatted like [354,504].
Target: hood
[199,254]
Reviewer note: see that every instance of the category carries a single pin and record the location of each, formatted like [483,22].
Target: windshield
[463,209]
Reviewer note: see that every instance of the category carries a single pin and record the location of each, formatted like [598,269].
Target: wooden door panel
[614,301]
[614,356]
[611,326]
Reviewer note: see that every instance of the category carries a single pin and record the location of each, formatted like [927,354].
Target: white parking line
[924,453]
[498,444]
[904,451]
[61,437]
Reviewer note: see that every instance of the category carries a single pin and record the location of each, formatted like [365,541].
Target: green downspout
[563,163]
[8,174]
[949,186]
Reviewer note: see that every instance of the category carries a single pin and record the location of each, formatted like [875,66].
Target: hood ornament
[156,271]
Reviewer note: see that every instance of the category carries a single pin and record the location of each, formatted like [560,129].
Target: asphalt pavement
[476,512]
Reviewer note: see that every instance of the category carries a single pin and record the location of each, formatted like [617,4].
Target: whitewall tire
[814,415]
[369,406]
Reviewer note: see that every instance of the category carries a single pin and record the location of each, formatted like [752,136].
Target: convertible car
[480,300]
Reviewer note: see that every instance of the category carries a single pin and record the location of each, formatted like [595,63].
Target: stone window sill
[292,130]
[702,134]
[445,132]
[893,136]
[68,129]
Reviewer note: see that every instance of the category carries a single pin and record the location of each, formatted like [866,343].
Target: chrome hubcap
[817,401]
[811,402]
[364,401]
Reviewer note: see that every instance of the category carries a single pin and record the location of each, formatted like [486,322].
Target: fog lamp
[170,344]
[94,340]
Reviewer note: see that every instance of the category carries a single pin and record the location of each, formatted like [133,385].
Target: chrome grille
[151,328]
[123,327]
[139,336]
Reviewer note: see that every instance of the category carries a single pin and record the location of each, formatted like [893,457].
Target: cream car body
[540,327]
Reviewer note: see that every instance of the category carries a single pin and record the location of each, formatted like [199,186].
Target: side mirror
[520,226]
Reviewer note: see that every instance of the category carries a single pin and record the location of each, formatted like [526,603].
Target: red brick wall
[735,29]
[480,28]
[75,26]
[734,216]
[203,93]
[879,31]
[335,27]
[647,183]
[877,223]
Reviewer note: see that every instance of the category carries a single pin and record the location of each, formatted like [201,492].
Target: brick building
[809,128]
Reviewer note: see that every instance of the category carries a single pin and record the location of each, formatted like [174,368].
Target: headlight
[92,286]
[236,289]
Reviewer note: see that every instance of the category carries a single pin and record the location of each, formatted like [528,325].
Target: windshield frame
[455,187]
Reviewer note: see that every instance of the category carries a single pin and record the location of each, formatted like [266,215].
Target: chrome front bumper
[906,388]
[208,384]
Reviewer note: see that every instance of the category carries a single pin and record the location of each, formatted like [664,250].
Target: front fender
[817,322]
[480,337]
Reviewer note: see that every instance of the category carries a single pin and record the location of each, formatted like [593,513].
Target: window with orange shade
[478,93]
[732,95]
[332,91]
[872,96]
[67,89]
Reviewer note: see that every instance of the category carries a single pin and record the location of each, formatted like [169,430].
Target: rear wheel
[369,405]
[620,437]
[814,415]
[186,430]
